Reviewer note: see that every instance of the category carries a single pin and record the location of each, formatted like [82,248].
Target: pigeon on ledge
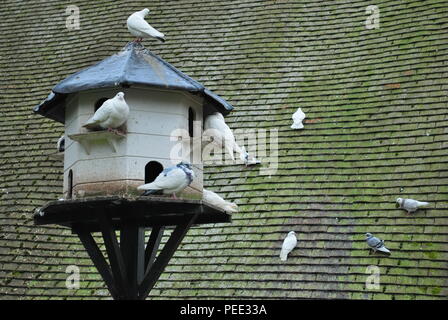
[138,27]
[410,205]
[376,244]
[216,200]
[171,180]
[112,114]
[289,244]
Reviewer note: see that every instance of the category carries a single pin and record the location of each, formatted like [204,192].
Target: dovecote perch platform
[134,266]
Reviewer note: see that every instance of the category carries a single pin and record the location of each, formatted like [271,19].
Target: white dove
[138,27]
[410,205]
[298,117]
[214,199]
[112,114]
[288,244]
[215,126]
[171,180]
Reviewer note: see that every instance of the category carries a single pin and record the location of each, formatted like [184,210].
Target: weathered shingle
[376,128]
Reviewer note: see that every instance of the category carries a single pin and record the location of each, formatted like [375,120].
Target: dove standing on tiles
[289,244]
[410,205]
[171,180]
[376,244]
[61,144]
[298,117]
[221,133]
[138,27]
[216,200]
[112,114]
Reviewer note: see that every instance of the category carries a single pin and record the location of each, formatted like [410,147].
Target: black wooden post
[132,245]
[131,270]
[115,256]
[153,273]
[98,260]
[152,246]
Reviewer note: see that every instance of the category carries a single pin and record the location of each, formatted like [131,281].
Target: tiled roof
[376,129]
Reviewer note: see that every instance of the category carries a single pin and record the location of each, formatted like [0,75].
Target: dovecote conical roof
[134,65]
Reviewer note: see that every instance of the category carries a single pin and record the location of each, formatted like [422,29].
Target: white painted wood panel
[149,122]
[154,115]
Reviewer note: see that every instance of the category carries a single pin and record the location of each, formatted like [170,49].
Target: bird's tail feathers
[252,162]
[149,188]
[161,39]
[422,204]
[90,124]
[243,154]
[149,192]
[297,126]
[231,207]
[283,255]
[384,249]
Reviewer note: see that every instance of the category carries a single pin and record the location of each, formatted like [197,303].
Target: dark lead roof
[134,65]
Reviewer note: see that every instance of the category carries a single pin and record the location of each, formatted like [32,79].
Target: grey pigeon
[171,180]
[138,27]
[376,244]
[289,244]
[112,114]
[410,205]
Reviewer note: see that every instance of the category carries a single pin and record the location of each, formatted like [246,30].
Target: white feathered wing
[173,182]
[112,114]
[289,244]
[214,199]
[138,26]
[218,128]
